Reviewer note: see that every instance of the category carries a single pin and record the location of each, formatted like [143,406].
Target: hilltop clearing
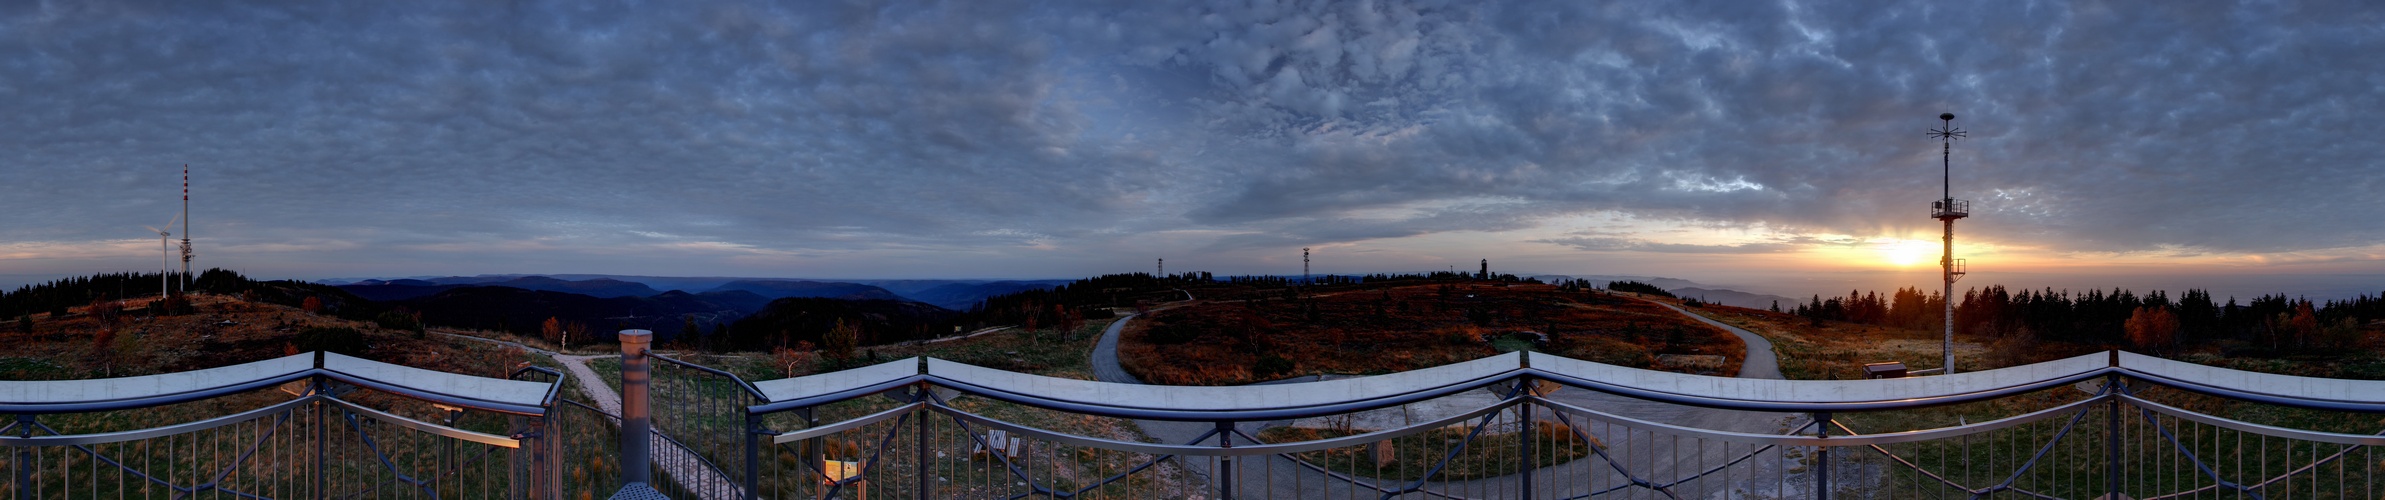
[1389,329]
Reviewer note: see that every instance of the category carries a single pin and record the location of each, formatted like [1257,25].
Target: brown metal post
[637,424]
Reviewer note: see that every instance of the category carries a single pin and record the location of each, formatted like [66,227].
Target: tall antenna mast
[1163,266]
[1947,209]
[1304,265]
[186,227]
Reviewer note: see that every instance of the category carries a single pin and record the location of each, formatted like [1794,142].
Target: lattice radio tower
[186,228]
[1304,266]
[1947,209]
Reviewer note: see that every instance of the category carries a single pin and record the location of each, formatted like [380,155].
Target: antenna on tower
[1304,265]
[1946,210]
[186,227]
[1163,266]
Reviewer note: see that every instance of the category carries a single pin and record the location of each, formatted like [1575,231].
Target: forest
[2152,321]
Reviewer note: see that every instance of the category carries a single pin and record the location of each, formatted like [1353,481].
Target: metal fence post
[637,424]
[1822,457]
[1524,435]
[2111,438]
[322,426]
[924,483]
[753,455]
[546,457]
[1225,469]
[25,457]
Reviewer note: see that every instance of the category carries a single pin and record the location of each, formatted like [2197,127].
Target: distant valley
[957,295]
[666,305]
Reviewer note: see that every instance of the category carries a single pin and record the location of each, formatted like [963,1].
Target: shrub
[172,305]
[400,320]
[25,323]
[839,342]
[341,340]
[105,311]
[1271,366]
[1171,333]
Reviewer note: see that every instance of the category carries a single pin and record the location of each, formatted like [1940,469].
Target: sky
[1777,146]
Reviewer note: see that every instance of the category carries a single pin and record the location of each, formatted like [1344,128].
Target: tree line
[2153,320]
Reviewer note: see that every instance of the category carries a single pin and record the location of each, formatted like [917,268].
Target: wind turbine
[164,257]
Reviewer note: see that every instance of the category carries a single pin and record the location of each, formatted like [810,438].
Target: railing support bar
[1524,435]
[320,385]
[1225,469]
[25,457]
[2111,436]
[753,455]
[637,421]
[923,468]
[1822,457]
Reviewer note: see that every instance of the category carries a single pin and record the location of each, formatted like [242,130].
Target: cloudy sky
[1737,142]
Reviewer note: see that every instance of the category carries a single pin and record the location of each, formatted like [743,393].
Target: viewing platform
[1950,209]
[1522,425]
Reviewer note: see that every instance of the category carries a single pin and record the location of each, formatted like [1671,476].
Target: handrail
[125,393]
[436,397]
[155,432]
[441,430]
[741,383]
[1684,389]
[1784,406]
[89,395]
[553,391]
[2265,430]
[1200,415]
[1240,450]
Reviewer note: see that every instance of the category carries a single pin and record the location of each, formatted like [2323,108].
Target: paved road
[1760,362]
[1646,455]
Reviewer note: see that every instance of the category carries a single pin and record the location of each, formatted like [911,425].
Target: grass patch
[1488,455]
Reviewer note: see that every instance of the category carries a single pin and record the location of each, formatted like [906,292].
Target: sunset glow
[1908,253]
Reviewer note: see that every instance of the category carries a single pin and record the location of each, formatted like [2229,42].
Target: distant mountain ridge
[522,311]
[402,289]
[788,289]
[954,294]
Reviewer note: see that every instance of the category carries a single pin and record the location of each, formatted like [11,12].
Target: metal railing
[313,425]
[1520,425]
[2109,425]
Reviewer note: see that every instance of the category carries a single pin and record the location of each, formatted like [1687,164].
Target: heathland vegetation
[1381,327]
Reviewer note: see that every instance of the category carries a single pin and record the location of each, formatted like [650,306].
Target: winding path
[674,460]
[1760,361]
[1285,478]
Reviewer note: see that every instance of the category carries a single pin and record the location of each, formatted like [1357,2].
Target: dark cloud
[574,133]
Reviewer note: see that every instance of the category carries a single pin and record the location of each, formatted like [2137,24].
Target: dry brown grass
[1386,330]
[65,349]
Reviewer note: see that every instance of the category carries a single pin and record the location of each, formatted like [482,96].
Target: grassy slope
[1386,330]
